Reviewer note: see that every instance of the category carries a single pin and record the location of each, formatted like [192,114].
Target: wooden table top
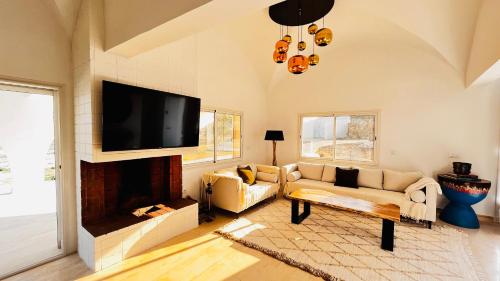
[329,199]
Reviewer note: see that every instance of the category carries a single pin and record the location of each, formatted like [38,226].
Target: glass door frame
[37,89]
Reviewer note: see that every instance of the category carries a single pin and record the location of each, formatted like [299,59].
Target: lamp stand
[275,163]
[209,196]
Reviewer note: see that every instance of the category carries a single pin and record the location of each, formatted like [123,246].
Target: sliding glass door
[29,193]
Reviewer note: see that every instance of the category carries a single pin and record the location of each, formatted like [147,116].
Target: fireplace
[130,206]
[119,194]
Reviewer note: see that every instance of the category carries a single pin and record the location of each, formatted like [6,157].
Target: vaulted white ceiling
[445,27]
[462,32]
[66,12]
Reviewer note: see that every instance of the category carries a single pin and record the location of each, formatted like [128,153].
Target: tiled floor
[201,255]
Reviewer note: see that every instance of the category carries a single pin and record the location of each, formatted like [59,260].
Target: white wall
[426,114]
[35,48]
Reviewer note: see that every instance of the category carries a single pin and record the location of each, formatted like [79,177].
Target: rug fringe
[282,257]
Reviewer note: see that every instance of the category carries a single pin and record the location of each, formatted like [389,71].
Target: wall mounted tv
[139,118]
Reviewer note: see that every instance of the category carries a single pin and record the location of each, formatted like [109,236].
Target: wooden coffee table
[389,213]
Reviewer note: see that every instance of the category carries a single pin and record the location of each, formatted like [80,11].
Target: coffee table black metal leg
[387,235]
[296,217]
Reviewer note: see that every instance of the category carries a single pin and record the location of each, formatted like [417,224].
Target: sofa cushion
[253,167]
[307,183]
[370,178]
[329,172]
[267,177]
[365,193]
[268,169]
[259,191]
[310,171]
[346,177]
[371,194]
[246,175]
[293,176]
[399,181]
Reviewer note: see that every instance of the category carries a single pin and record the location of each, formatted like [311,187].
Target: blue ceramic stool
[462,192]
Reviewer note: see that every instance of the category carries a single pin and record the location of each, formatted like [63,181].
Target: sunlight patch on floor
[197,258]
[242,227]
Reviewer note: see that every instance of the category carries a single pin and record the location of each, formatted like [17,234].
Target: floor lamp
[274,136]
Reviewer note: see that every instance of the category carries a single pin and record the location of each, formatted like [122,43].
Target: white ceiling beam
[139,34]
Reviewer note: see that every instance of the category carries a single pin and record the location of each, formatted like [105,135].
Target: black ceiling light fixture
[292,13]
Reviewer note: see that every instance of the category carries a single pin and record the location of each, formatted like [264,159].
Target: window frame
[215,161]
[376,146]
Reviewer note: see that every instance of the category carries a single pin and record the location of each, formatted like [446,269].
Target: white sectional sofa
[376,185]
[232,194]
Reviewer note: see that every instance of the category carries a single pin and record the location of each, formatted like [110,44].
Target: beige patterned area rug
[340,245]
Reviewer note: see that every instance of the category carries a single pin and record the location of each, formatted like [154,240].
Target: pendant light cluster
[299,63]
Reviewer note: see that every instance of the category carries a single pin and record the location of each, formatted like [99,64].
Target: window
[342,137]
[317,136]
[228,136]
[205,152]
[220,138]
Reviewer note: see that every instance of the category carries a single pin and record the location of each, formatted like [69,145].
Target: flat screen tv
[139,118]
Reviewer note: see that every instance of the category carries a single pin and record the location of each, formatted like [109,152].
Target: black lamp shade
[274,135]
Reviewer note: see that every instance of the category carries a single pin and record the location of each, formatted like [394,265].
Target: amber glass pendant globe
[323,37]
[279,57]
[301,46]
[297,64]
[312,28]
[287,38]
[281,46]
[313,59]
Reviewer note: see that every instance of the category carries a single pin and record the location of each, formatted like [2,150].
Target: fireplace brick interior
[113,193]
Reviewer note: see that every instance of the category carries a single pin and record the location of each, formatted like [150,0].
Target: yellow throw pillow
[246,175]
